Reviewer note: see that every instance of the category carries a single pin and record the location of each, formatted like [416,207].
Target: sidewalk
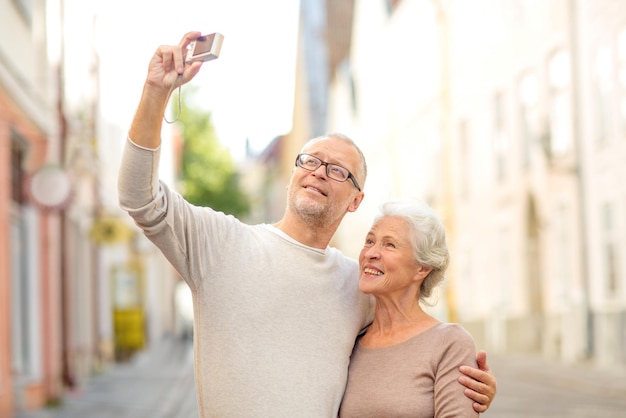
[539,388]
[581,378]
[157,383]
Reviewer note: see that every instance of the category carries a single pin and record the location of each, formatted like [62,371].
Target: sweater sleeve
[138,180]
[180,230]
[458,349]
[162,214]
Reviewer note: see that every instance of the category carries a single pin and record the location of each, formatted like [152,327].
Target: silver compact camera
[205,48]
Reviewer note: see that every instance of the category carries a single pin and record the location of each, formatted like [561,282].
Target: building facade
[507,117]
[29,308]
[75,276]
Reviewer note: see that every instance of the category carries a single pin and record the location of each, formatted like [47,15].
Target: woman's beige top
[416,378]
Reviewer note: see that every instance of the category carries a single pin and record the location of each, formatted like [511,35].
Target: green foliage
[208,175]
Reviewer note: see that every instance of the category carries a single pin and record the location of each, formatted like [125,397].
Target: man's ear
[356,202]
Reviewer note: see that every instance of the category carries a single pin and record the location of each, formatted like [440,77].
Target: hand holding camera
[205,48]
[201,49]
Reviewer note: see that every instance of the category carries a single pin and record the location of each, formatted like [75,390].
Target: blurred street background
[158,383]
[507,116]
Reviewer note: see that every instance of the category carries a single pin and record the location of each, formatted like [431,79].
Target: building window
[621,54]
[392,5]
[610,250]
[603,93]
[25,8]
[533,254]
[21,266]
[530,129]
[465,159]
[504,268]
[353,94]
[563,261]
[500,135]
[17,173]
[560,104]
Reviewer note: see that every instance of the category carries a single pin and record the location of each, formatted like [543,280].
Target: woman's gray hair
[428,238]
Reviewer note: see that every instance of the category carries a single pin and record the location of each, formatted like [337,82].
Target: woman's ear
[422,272]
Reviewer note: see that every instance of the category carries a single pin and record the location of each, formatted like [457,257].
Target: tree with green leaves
[208,175]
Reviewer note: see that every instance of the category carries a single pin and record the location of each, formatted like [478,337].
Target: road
[159,384]
[530,387]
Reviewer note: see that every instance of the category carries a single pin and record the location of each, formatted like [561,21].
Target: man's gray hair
[361,170]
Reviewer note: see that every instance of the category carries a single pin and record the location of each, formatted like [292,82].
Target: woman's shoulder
[454,344]
[450,327]
[453,331]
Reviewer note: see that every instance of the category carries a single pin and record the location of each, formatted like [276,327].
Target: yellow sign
[110,231]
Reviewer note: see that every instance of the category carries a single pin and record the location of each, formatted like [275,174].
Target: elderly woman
[407,363]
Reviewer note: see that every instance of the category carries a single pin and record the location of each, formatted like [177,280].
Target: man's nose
[323,170]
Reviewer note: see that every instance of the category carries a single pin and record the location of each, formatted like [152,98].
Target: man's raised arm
[167,70]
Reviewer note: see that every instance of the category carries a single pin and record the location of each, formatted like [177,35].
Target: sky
[248,89]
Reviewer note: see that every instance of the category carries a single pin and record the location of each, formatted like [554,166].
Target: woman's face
[387,260]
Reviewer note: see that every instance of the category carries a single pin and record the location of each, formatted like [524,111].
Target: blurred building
[508,118]
[79,288]
[325,29]
[30,280]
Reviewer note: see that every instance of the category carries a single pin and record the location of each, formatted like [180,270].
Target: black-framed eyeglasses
[336,172]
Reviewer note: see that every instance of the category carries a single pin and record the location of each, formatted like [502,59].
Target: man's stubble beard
[314,213]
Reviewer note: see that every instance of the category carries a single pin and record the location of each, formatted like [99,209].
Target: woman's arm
[455,349]
[480,383]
